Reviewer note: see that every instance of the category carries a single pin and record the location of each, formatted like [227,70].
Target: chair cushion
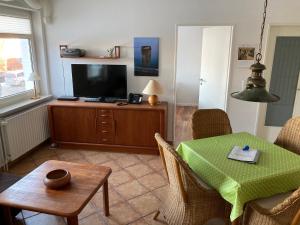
[271,202]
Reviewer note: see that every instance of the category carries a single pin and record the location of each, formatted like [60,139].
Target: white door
[215,61]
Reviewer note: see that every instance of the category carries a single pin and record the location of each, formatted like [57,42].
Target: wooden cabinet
[74,124]
[133,129]
[107,126]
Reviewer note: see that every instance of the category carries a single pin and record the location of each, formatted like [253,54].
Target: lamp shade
[152,88]
[34,77]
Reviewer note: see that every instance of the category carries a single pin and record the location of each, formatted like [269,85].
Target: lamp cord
[258,55]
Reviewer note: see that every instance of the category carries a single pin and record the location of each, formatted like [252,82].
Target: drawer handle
[104,131]
[103,115]
[104,139]
[104,122]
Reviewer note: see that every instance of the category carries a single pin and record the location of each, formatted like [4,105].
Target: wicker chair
[189,201]
[283,209]
[210,123]
[289,136]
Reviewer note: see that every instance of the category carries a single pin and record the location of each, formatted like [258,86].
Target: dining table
[276,171]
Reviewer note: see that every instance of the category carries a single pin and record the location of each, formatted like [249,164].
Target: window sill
[20,106]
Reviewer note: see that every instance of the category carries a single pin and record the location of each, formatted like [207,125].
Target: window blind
[14,25]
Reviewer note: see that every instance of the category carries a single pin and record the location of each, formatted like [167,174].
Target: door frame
[261,109]
[230,64]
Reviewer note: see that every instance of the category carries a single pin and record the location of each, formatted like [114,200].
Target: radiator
[23,131]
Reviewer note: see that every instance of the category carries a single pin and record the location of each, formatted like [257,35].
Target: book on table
[249,155]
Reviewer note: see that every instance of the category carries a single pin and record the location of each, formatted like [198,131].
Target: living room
[90,89]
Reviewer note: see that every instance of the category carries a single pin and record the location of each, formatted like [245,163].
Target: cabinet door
[136,127]
[72,124]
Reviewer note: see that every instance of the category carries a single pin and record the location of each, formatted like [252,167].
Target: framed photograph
[62,48]
[246,55]
[146,56]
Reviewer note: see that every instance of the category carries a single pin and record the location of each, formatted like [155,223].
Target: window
[15,56]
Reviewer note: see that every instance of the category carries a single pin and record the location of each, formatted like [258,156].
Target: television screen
[95,80]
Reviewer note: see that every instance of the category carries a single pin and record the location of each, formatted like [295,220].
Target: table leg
[7,215]
[105,198]
[72,220]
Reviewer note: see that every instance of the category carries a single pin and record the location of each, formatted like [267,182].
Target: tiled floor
[136,187]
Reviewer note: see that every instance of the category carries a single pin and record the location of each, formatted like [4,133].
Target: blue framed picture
[146,56]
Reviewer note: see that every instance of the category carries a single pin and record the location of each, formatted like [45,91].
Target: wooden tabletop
[80,103]
[30,193]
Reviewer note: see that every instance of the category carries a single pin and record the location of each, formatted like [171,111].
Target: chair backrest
[210,123]
[288,211]
[289,136]
[183,181]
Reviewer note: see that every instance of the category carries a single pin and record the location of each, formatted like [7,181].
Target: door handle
[202,80]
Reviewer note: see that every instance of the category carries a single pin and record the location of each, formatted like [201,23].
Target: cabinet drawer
[106,138]
[104,112]
[105,123]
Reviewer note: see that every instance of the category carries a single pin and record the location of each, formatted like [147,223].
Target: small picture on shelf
[146,56]
[62,48]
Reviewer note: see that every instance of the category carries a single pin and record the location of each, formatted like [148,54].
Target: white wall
[188,66]
[96,25]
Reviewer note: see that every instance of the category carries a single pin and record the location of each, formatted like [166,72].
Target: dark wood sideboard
[106,126]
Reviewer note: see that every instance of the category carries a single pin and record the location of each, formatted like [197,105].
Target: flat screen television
[98,80]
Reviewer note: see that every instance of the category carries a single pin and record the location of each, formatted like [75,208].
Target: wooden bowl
[56,179]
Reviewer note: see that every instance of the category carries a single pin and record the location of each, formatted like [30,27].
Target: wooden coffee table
[30,193]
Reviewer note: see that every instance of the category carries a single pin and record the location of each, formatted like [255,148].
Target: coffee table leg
[7,215]
[73,220]
[105,198]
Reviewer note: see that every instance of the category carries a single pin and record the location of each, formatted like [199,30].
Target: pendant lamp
[255,90]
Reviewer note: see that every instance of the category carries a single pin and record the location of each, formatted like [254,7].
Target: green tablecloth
[277,170]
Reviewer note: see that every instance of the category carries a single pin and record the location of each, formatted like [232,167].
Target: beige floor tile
[147,157]
[121,214]
[39,161]
[98,158]
[27,213]
[44,219]
[145,204]
[139,170]
[117,155]
[131,189]
[43,152]
[93,219]
[156,164]
[128,160]
[68,154]
[139,222]
[88,152]
[112,164]
[152,181]
[113,196]
[119,177]
[161,192]
[159,221]
[23,167]
[89,209]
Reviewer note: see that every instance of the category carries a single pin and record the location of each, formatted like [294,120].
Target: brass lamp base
[153,100]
